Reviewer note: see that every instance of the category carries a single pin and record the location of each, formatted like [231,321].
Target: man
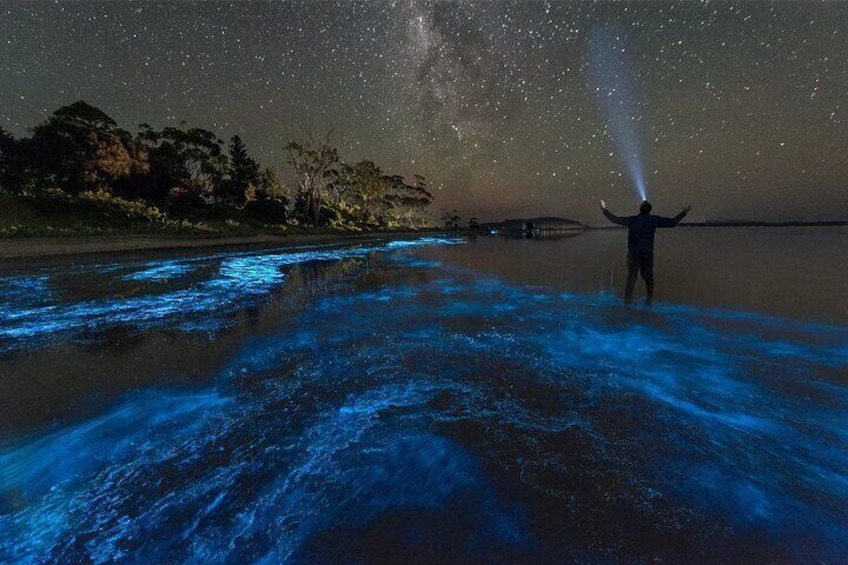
[640,245]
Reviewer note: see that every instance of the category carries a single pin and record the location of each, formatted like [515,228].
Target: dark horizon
[730,223]
[737,108]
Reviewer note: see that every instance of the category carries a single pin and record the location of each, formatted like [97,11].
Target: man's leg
[647,268]
[632,272]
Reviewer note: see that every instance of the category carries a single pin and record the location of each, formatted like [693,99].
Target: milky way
[741,106]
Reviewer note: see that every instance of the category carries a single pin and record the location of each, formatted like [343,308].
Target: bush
[117,207]
[268,211]
[342,216]
[184,201]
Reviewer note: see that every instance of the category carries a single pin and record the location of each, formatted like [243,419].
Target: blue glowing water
[397,405]
[616,92]
[237,281]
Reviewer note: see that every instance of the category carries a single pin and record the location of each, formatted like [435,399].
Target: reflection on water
[795,272]
[413,402]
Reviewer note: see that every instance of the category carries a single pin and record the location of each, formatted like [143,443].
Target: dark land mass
[539,223]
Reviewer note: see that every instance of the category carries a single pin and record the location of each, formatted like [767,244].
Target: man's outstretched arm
[612,217]
[671,222]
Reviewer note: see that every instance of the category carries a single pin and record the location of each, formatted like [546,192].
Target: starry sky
[508,108]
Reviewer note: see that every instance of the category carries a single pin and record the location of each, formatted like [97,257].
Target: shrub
[117,207]
[266,210]
[181,200]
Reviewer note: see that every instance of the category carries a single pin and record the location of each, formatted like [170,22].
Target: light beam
[614,86]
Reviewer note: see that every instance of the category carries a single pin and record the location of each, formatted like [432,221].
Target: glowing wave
[30,310]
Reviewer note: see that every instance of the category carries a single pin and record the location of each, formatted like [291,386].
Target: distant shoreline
[746,224]
[33,247]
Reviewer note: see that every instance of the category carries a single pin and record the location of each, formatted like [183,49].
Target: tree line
[191,173]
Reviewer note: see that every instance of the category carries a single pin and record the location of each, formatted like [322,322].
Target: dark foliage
[80,148]
[80,160]
[243,177]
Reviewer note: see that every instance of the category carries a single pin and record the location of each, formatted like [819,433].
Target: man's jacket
[641,228]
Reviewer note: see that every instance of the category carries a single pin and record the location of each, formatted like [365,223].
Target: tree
[270,187]
[81,148]
[12,163]
[366,186]
[423,198]
[271,199]
[314,162]
[189,160]
[381,199]
[168,168]
[243,178]
[451,220]
[409,202]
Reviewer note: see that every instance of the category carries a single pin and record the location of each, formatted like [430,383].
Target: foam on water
[203,306]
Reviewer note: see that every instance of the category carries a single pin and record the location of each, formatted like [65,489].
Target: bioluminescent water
[615,88]
[395,402]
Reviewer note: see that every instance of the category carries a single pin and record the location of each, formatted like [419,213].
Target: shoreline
[42,247]
[16,248]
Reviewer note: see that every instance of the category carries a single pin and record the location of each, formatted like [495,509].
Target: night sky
[510,109]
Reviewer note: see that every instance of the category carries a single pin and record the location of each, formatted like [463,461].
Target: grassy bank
[55,214]
[54,224]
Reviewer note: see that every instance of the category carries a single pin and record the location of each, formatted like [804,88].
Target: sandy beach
[17,248]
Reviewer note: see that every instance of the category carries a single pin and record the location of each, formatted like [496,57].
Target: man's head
[645,208]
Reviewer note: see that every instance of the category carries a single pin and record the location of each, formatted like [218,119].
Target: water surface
[429,400]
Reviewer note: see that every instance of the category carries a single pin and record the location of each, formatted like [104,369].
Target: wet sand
[16,248]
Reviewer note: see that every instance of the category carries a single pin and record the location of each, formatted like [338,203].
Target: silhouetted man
[640,245]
